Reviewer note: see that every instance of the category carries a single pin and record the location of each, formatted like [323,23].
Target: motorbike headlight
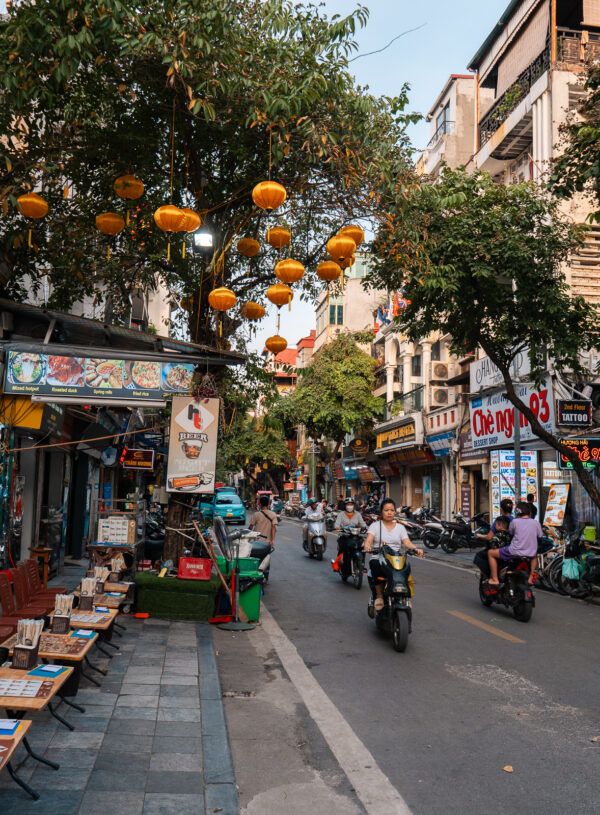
[400,588]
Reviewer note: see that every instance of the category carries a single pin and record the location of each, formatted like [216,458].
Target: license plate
[229,515]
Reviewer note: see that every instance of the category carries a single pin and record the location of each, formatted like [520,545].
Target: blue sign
[440,444]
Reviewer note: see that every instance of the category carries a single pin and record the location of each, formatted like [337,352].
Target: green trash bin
[250,598]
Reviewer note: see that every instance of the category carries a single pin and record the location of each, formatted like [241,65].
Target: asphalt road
[464,701]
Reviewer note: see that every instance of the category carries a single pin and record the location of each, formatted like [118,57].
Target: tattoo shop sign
[193,445]
[493,416]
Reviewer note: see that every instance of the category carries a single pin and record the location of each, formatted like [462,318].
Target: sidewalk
[152,740]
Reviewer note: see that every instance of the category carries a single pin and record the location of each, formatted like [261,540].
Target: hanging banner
[557,504]
[502,465]
[193,445]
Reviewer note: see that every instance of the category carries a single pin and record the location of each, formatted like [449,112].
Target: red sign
[194,568]
[133,459]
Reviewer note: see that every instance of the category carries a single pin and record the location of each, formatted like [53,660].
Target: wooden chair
[10,616]
[35,584]
[22,607]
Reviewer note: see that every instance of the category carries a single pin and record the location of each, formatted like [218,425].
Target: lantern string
[270,142]
[172,147]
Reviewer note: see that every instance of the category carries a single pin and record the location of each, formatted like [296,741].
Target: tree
[248,443]
[490,273]
[94,89]
[334,394]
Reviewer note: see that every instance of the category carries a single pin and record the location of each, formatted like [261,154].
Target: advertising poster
[588,452]
[502,466]
[193,445]
[557,504]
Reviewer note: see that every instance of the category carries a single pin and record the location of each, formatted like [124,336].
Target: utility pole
[517,442]
[313,484]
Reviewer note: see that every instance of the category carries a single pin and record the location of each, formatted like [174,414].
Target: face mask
[349,509]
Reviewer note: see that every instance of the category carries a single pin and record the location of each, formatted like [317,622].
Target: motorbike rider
[506,508]
[349,517]
[525,533]
[312,508]
[390,532]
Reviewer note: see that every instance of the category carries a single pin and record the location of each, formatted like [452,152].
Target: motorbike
[316,539]
[330,519]
[514,591]
[432,527]
[411,523]
[350,541]
[395,617]
[458,534]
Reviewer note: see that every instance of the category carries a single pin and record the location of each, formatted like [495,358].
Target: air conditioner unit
[440,371]
[440,396]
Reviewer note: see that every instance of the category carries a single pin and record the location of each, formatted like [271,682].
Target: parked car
[207,502]
[229,506]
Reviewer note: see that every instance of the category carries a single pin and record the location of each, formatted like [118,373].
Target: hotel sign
[401,434]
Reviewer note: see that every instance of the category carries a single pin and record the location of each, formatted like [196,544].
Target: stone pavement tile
[179,679]
[143,713]
[116,780]
[171,781]
[65,738]
[59,802]
[132,727]
[210,686]
[130,762]
[123,743]
[71,757]
[139,676]
[96,696]
[133,688]
[182,730]
[156,624]
[142,700]
[65,778]
[147,662]
[204,631]
[115,803]
[221,798]
[213,718]
[179,714]
[172,744]
[182,762]
[164,804]
[90,724]
[191,700]
[95,710]
[173,673]
[218,768]
[179,691]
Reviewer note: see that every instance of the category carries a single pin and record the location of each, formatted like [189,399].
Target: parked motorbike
[395,617]
[411,523]
[458,534]
[432,528]
[514,591]
[316,539]
[350,541]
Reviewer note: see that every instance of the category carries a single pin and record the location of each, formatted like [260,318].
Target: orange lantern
[278,237]
[109,223]
[32,205]
[268,195]
[170,219]
[289,270]
[276,344]
[280,294]
[347,262]
[252,310]
[248,247]
[222,299]
[355,232]
[341,247]
[328,271]
[128,187]
[192,220]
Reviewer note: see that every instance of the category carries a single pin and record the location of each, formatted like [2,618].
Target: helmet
[311,501]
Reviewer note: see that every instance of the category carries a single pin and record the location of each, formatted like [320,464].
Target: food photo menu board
[51,375]
[502,464]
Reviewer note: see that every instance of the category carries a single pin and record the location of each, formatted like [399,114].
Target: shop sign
[440,444]
[466,508]
[588,452]
[484,374]
[493,416]
[192,445]
[557,504]
[51,375]
[288,486]
[151,439]
[502,465]
[401,434]
[385,469]
[573,412]
[366,474]
[414,455]
[135,459]
[467,451]
[359,446]
[551,474]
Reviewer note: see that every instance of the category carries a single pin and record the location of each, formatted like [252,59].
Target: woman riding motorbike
[349,517]
[390,532]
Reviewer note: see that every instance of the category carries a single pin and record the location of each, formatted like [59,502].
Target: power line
[379,50]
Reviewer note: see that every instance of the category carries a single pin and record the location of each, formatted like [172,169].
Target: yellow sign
[397,435]
[20,411]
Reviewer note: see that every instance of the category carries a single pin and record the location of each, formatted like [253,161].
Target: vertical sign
[557,504]
[193,445]
[503,476]
[466,507]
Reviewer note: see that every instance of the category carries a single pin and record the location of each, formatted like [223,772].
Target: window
[418,397]
[441,123]
[436,351]
[416,366]
[336,314]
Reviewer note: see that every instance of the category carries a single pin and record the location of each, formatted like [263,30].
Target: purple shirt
[525,532]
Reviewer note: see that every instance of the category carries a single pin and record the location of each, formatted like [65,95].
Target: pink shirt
[525,532]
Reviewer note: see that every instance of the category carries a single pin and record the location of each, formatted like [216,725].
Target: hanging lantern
[268,195]
[32,205]
[252,310]
[289,270]
[341,247]
[348,262]
[355,232]
[170,219]
[128,187]
[278,237]
[328,271]
[248,247]
[222,299]
[191,222]
[109,223]
[279,294]
[276,344]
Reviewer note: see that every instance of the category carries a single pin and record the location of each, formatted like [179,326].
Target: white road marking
[374,789]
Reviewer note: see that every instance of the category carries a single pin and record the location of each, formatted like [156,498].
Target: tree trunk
[177,515]
[332,460]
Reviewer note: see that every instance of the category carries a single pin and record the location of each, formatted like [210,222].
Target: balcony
[576,47]
[445,129]
[380,387]
[512,97]
[410,402]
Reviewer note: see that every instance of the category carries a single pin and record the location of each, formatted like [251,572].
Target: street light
[203,239]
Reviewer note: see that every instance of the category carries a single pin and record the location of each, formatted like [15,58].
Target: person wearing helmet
[312,508]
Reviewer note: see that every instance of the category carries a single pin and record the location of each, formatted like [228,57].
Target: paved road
[443,719]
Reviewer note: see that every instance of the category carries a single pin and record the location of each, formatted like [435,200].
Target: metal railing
[509,100]
[446,128]
[410,402]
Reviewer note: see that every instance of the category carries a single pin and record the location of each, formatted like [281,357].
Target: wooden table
[17,705]
[8,745]
[44,552]
[108,618]
[105,600]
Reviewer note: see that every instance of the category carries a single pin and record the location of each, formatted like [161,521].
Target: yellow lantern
[355,232]
[328,271]
[109,223]
[32,206]
[222,299]
[276,344]
[341,247]
[278,237]
[268,195]
[128,187]
[248,247]
[192,220]
[289,270]
[170,219]
[280,294]
[252,310]
[348,262]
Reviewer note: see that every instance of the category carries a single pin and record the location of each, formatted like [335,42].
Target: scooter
[395,617]
[459,534]
[316,539]
[411,523]
[351,563]
[432,528]
[330,518]
[514,591]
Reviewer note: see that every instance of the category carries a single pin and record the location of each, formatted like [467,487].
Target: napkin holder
[99,587]
[86,602]
[61,623]
[25,657]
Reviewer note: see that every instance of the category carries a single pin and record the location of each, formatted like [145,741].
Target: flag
[380,316]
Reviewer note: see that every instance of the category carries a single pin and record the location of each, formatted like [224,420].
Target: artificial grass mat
[172,599]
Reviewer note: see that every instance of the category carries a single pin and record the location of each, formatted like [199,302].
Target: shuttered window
[591,12]
[528,45]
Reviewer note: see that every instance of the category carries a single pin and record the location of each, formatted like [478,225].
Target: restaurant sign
[401,434]
[588,452]
[51,375]
[135,459]
[193,445]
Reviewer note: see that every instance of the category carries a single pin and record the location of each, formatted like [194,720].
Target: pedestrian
[264,521]
[530,500]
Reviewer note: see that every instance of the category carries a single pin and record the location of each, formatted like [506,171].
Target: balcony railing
[381,378]
[512,97]
[410,402]
[444,129]
[576,47]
